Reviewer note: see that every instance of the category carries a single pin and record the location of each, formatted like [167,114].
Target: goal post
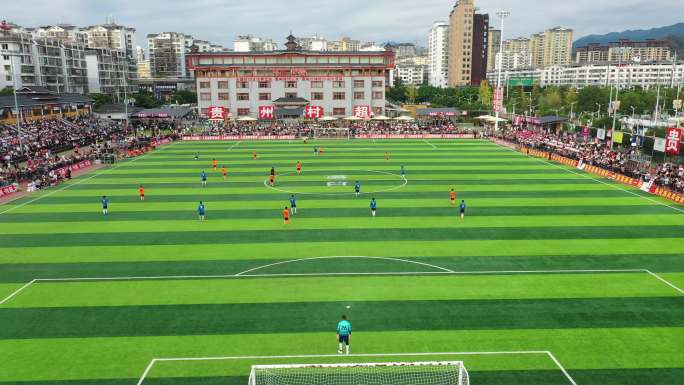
[331,133]
[387,373]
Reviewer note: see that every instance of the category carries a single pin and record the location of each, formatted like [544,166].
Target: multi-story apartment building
[493,46]
[624,76]
[249,43]
[110,71]
[552,47]
[345,44]
[64,32]
[56,64]
[411,74]
[625,51]
[557,47]
[281,83]
[167,54]
[438,48]
[403,50]
[315,43]
[111,36]
[516,54]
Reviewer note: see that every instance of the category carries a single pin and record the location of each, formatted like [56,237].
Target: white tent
[352,118]
[381,117]
[246,119]
[327,119]
[404,118]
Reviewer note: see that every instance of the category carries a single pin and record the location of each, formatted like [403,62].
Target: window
[339,111]
[316,84]
[5,57]
[289,84]
[243,111]
[223,85]
[316,96]
[264,84]
[264,96]
[338,96]
[377,83]
[5,46]
[223,96]
[377,94]
[205,85]
[359,95]
[242,85]
[243,96]
[358,83]
[205,96]
[290,95]
[338,84]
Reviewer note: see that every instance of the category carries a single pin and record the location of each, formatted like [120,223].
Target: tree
[485,93]
[397,93]
[184,97]
[100,100]
[9,91]
[411,94]
[145,100]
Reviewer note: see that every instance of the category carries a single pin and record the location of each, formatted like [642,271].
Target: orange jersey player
[254,155]
[452,196]
[271,180]
[299,168]
[320,151]
[286,215]
[387,156]
[141,191]
[224,173]
[214,163]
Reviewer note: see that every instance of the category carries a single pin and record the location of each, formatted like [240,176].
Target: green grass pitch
[573,272]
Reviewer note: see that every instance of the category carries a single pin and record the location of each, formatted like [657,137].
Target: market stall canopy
[352,118]
[404,118]
[381,117]
[328,118]
[246,119]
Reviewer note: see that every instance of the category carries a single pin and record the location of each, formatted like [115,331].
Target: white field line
[588,176]
[433,146]
[345,257]
[233,146]
[403,178]
[565,372]
[17,292]
[79,181]
[309,356]
[351,274]
[668,283]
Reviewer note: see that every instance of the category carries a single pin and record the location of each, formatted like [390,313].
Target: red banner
[217,113]
[363,111]
[74,167]
[266,112]
[673,141]
[313,112]
[7,190]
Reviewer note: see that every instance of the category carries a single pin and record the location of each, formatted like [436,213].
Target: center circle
[341,183]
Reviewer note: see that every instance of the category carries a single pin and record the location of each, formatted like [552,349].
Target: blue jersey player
[203,177]
[201,210]
[462,208]
[344,330]
[357,188]
[373,206]
[105,206]
[293,204]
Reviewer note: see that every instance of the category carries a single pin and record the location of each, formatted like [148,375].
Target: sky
[219,21]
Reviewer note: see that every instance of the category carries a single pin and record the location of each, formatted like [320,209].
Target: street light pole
[502,15]
[16,102]
[571,109]
[616,102]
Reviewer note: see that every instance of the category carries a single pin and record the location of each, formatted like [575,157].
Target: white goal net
[331,133]
[389,373]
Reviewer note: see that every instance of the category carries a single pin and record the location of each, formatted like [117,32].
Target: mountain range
[672,33]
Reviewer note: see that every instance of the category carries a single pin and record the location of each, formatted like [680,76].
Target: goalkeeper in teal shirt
[344,330]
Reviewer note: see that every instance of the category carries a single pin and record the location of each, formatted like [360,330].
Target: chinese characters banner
[673,141]
[313,112]
[266,112]
[363,112]
[217,113]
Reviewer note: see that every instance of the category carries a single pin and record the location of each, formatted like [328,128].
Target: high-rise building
[493,46]
[478,70]
[111,36]
[516,54]
[64,32]
[345,44]
[438,47]
[461,43]
[314,43]
[403,50]
[557,47]
[112,72]
[167,54]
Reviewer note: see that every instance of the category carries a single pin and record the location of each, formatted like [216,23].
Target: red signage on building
[363,112]
[266,112]
[217,113]
[313,112]
[673,141]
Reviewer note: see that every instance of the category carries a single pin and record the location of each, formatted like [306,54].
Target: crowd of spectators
[37,159]
[599,154]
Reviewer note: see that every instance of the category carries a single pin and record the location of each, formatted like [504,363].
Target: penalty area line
[432,145]
[154,361]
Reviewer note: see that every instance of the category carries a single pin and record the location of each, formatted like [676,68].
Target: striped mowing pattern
[563,264]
